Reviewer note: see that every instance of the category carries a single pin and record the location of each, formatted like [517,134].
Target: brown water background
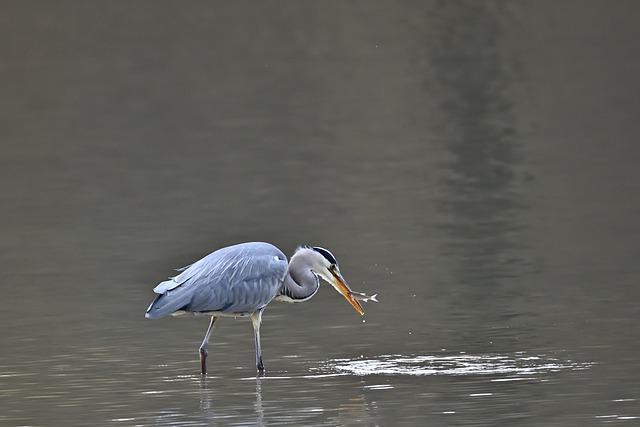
[474,163]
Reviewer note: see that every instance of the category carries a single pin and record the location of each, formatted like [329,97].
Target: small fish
[364,297]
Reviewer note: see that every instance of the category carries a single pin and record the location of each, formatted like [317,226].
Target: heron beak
[340,285]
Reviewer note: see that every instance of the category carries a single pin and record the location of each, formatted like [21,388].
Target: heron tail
[167,303]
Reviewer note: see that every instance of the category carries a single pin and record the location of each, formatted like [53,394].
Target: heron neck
[300,283]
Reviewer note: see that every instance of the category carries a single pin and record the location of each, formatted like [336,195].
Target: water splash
[518,364]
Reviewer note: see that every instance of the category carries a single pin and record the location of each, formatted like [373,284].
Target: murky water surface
[473,163]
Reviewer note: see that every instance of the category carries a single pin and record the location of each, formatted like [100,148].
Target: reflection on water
[289,409]
[100,385]
[474,80]
[257,407]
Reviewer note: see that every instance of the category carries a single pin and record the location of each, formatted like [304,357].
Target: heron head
[326,267]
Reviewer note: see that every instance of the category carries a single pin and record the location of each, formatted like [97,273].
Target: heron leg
[256,320]
[205,344]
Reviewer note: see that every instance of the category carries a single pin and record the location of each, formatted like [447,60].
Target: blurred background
[473,163]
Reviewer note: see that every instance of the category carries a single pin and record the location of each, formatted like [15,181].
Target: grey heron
[241,280]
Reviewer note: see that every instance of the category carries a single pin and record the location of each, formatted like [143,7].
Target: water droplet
[364,321]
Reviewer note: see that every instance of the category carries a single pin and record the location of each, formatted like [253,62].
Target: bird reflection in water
[210,413]
[257,406]
[323,409]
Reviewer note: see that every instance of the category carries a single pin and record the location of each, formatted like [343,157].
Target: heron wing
[240,278]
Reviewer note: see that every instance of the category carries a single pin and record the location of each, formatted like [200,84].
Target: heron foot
[260,367]
[203,361]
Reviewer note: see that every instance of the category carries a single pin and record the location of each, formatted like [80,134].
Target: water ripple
[518,364]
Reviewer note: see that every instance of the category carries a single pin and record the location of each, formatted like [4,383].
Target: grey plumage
[242,280]
[237,279]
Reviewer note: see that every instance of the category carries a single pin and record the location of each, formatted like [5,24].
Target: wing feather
[239,278]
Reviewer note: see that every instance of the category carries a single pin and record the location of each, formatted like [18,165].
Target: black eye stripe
[325,253]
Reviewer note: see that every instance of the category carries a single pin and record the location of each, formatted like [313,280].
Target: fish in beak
[340,285]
